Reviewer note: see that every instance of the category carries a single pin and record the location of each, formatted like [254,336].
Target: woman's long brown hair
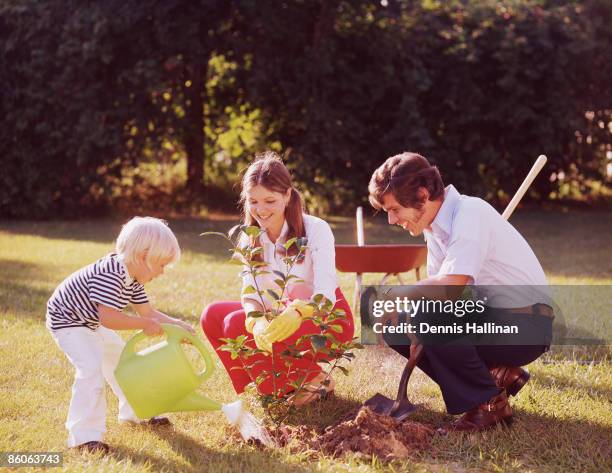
[269,171]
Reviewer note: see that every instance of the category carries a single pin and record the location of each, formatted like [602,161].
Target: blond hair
[147,234]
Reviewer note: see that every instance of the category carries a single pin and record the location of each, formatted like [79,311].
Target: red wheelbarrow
[392,260]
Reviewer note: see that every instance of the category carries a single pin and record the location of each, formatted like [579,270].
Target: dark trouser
[462,370]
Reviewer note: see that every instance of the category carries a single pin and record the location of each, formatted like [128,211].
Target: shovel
[401,407]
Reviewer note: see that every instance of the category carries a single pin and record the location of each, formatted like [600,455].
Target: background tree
[111,102]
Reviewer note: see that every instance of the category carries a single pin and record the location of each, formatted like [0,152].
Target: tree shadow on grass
[105,231]
[187,230]
[19,291]
[534,442]
[566,382]
[202,458]
[321,414]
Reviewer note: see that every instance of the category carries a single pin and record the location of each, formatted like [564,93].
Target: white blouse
[317,271]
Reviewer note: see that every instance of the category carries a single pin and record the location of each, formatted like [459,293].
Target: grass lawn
[563,420]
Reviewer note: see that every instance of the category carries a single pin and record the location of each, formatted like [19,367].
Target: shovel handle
[402,392]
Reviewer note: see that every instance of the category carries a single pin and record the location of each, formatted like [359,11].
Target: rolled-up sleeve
[469,245]
[139,295]
[434,257]
[323,253]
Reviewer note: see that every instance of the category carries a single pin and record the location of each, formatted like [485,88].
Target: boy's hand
[152,328]
[184,325]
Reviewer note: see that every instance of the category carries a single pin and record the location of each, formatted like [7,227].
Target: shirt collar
[128,277]
[442,224]
[281,237]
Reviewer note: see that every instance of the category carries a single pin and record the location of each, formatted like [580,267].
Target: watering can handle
[178,334]
[175,333]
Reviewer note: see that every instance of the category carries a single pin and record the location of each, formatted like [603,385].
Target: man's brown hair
[403,175]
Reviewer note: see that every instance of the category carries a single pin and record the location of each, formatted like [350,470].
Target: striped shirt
[75,301]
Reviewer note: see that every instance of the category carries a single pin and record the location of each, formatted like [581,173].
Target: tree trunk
[194,139]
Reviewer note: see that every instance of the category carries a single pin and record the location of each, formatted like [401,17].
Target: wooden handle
[535,170]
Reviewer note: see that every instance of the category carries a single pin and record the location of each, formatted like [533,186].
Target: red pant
[226,320]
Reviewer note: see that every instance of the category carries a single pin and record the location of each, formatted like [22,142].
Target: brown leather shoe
[485,416]
[94,447]
[512,379]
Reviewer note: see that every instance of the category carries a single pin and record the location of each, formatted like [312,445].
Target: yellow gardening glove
[284,325]
[302,307]
[259,334]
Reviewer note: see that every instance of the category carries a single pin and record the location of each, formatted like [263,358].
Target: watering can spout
[196,402]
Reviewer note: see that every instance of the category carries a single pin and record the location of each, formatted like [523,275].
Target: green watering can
[160,378]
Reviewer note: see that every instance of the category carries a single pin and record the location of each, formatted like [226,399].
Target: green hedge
[92,89]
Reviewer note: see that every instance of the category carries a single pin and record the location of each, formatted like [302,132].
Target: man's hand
[259,334]
[152,328]
[284,325]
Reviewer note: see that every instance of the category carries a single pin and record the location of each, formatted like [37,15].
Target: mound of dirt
[368,434]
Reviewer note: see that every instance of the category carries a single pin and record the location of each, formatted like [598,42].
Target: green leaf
[249,290]
[252,231]
[336,328]
[273,293]
[289,242]
[280,274]
[255,314]
[318,342]
[345,372]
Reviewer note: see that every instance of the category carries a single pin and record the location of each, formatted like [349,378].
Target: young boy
[89,303]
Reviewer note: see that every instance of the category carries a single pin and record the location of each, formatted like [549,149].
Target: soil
[368,434]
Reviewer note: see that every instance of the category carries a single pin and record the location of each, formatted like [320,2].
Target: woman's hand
[303,307]
[285,325]
[259,334]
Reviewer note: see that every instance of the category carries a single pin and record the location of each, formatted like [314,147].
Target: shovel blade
[379,404]
[388,407]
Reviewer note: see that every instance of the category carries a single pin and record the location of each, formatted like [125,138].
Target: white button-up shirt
[317,271]
[468,237]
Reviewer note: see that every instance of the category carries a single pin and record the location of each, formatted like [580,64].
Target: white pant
[95,356]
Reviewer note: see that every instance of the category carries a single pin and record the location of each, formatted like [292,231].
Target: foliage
[322,347]
[95,91]
[482,88]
